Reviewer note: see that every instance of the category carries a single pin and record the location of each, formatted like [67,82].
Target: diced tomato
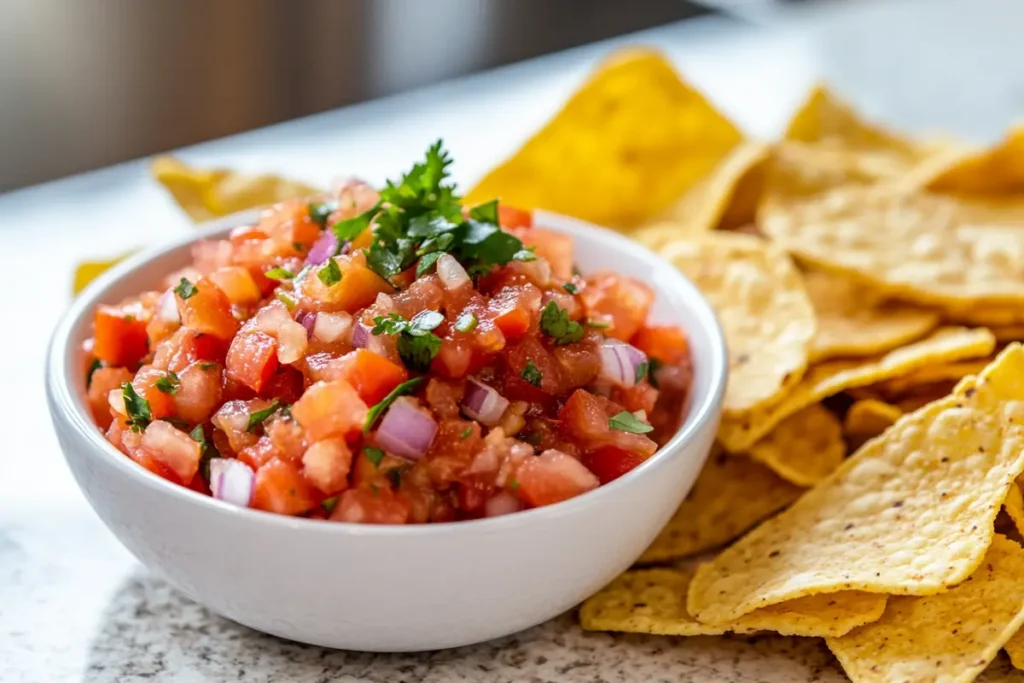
[199,392]
[119,335]
[161,403]
[174,448]
[553,247]
[197,346]
[281,488]
[330,409]
[208,311]
[371,506]
[105,380]
[371,375]
[233,419]
[358,288]
[285,385]
[610,463]
[637,397]
[530,358]
[326,463]
[617,300]
[584,419]
[237,284]
[287,435]
[452,451]
[667,343]
[365,472]
[552,477]
[512,217]
[252,359]
[258,454]
[512,309]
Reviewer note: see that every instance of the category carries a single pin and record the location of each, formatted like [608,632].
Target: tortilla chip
[205,194]
[740,432]
[732,494]
[869,418]
[911,513]
[730,192]
[916,247]
[804,448]
[1014,506]
[931,375]
[628,144]
[949,637]
[762,306]
[995,171]
[1015,648]
[824,117]
[654,601]
[855,321]
[87,271]
[1008,333]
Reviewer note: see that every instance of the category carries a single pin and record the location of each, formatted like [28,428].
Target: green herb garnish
[374,455]
[185,289]
[350,228]
[330,274]
[329,504]
[206,367]
[256,419]
[319,212]
[653,365]
[299,247]
[554,322]
[598,324]
[486,213]
[208,451]
[466,322]
[513,485]
[417,345]
[279,274]
[641,371]
[169,383]
[95,365]
[401,390]
[627,422]
[427,262]
[571,288]
[287,299]
[466,433]
[139,414]
[531,374]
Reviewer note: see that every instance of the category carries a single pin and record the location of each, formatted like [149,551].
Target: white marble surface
[74,606]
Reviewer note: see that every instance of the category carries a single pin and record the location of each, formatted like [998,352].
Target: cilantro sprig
[555,322]
[208,451]
[531,373]
[401,390]
[627,422]
[417,344]
[139,413]
[169,383]
[257,418]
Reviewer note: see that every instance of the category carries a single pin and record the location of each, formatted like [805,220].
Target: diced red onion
[483,403]
[360,336]
[167,310]
[502,504]
[406,431]
[619,362]
[451,273]
[324,248]
[331,327]
[308,320]
[231,481]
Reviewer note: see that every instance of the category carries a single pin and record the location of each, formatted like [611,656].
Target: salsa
[388,356]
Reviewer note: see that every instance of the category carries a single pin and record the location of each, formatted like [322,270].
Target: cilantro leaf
[531,373]
[653,365]
[488,245]
[401,390]
[466,433]
[93,367]
[485,213]
[416,344]
[627,422]
[554,322]
[427,262]
[374,455]
[641,371]
[350,228]
[185,289]
[571,288]
[329,504]
[208,452]
[168,384]
[525,255]
[319,212]
[330,273]
[598,324]
[287,298]
[256,419]
[139,414]
[418,352]
[279,274]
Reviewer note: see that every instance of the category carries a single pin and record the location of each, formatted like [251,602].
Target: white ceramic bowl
[384,588]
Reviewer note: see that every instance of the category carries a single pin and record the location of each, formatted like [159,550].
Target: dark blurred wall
[86,83]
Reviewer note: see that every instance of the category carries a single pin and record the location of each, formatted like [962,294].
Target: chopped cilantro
[350,228]
[319,212]
[554,322]
[93,367]
[466,322]
[206,367]
[299,247]
[401,390]
[525,255]
[599,324]
[139,414]
[329,504]
[256,419]
[571,288]
[427,262]
[374,455]
[653,365]
[330,274]
[185,289]
[487,212]
[627,422]
[531,374]
[488,245]
[287,298]
[417,345]
[514,485]
[279,274]
[169,383]
[208,452]
[641,371]
[466,433]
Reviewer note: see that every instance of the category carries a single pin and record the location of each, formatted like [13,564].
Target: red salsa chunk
[388,357]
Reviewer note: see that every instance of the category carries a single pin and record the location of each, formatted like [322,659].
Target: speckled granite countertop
[74,606]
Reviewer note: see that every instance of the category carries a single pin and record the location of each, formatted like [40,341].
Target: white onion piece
[482,403]
[538,270]
[292,342]
[331,327]
[451,273]
[502,504]
[231,481]
[406,431]
[167,310]
[619,362]
[270,318]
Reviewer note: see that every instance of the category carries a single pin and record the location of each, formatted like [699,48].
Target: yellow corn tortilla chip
[949,637]
[1008,333]
[916,247]
[931,375]
[730,192]
[87,271]
[626,145]
[995,171]
[762,306]
[869,418]
[205,194]
[731,494]
[654,601]
[804,448]
[1015,648]
[738,433]
[1014,506]
[824,117]
[911,513]
[854,320]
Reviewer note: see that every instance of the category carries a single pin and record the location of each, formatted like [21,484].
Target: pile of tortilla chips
[864,488]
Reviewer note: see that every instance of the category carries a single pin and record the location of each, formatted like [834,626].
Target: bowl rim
[67,406]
